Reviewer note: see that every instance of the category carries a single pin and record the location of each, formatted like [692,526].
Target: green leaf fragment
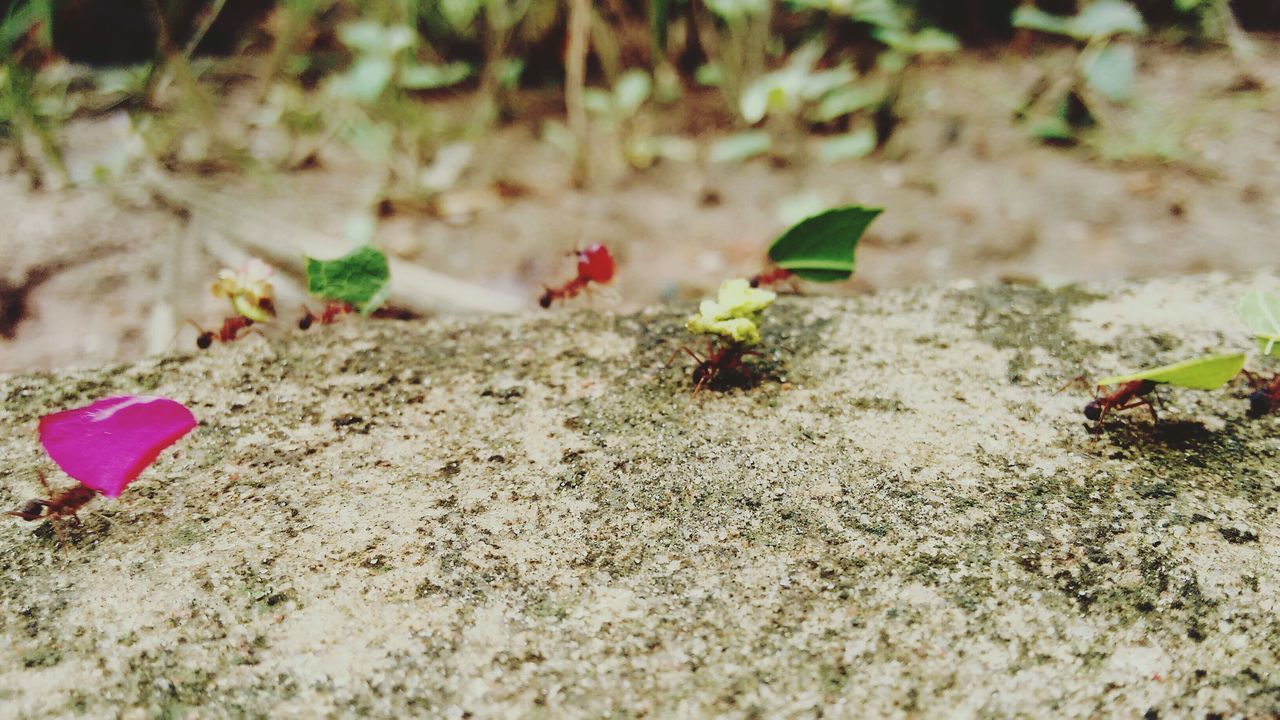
[1202,373]
[741,146]
[1101,18]
[361,278]
[821,248]
[857,144]
[1111,70]
[735,313]
[430,77]
[1261,312]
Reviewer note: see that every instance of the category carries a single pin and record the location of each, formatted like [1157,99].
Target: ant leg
[679,350]
[57,528]
[708,376]
[1139,402]
[44,482]
[1077,380]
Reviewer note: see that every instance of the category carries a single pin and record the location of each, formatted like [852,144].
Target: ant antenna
[205,337]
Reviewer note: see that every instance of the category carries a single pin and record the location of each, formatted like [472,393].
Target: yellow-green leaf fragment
[735,313]
[249,289]
[740,330]
[1202,373]
[1261,312]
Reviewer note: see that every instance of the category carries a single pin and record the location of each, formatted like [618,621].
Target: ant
[595,264]
[1266,393]
[772,277]
[59,505]
[332,310]
[1128,395]
[230,331]
[231,327]
[723,367]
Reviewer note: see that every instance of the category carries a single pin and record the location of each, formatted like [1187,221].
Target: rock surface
[529,517]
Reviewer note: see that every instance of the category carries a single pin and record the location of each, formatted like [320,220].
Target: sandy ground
[531,518]
[967,196]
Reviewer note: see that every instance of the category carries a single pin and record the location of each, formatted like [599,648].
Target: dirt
[1185,182]
[530,517]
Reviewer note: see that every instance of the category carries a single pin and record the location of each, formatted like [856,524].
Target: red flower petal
[109,443]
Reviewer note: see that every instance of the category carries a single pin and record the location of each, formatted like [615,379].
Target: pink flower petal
[109,443]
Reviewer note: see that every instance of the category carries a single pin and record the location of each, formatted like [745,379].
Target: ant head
[1260,403]
[545,300]
[1093,410]
[755,281]
[305,322]
[267,305]
[204,340]
[32,510]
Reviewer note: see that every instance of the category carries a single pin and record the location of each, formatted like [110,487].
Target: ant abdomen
[1259,402]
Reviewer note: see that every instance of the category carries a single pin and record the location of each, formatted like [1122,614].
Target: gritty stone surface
[531,518]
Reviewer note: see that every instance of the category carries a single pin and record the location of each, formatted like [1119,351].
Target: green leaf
[366,79]
[849,146]
[736,11]
[1033,18]
[821,248]
[741,146]
[709,75]
[361,278]
[1102,18]
[1203,373]
[630,92]
[845,101]
[429,77]
[1110,71]
[1261,312]
[460,13]
[928,41]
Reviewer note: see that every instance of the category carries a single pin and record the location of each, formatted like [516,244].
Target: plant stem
[574,84]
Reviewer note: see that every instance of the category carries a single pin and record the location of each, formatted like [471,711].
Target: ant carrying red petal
[229,332]
[56,507]
[595,265]
[722,369]
[332,311]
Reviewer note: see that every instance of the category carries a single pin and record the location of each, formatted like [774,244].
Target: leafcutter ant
[722,368]
[332,311]
[595,265]
[772,277]
[1265,397]
[59,505]
[1132,394]
[229,332]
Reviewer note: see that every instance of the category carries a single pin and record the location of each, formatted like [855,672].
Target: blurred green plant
[1104,71]
[32,102]
[819,84]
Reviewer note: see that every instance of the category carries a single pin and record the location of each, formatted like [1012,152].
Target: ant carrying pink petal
[105,446]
